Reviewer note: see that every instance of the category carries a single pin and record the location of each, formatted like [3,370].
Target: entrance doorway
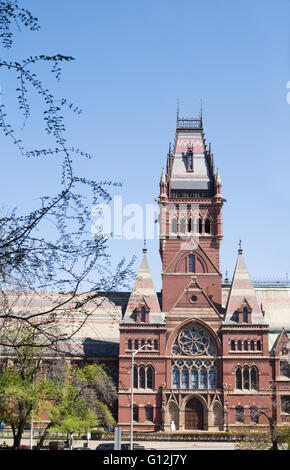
[194,414]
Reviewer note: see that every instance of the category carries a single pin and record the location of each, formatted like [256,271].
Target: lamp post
[227,416]
[132,392]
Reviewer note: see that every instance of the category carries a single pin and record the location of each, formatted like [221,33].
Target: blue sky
[134,60]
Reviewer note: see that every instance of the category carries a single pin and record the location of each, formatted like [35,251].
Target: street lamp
[132,392]
[227,416]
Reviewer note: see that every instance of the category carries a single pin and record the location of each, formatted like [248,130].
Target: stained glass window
[194,378]
[194,341]
[212,378]
[184,378]
[203,378]
[200,370]
[175,378]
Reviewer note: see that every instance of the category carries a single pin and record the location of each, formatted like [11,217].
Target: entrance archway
[194,416]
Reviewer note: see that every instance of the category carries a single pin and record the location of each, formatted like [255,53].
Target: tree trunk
[43,437]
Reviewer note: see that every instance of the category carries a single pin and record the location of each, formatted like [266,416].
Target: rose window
[194,341]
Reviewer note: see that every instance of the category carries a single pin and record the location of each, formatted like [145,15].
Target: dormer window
[189,159]
[143,315]
[245,315]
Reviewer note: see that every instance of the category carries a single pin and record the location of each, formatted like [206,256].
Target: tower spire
[201,103]
[177,113]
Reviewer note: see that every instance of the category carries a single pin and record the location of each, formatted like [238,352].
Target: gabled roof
[242,292]
[144,293]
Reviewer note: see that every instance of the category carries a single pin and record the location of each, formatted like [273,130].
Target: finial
[218,177]
[201,103]
[240,247]
[178,103]
[144,247]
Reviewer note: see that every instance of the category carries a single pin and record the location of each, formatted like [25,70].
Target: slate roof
[144,292]
[242,291]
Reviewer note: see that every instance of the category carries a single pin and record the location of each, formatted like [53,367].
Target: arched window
[212,378]
[254,378]
[199,226]
[259,348]
[207,226]
[156,345]
[129,344]
[246,378]
[149,413]
[136,343]
[252,345]
[182,225]
[175,378]
[203,377]
[149,344]
[239,382]
[135,378]
[190,225]
[150,377]
[141,377]
[191,264]
[233,345]
[194,378]
[174,225]
[246,345]
[142,342]
[239,345]
[184,378]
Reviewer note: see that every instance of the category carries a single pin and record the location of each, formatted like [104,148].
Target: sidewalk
[149,445]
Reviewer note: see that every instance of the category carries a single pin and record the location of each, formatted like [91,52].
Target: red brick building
[208,358]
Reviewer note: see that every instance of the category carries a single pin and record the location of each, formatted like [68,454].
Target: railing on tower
[189,123]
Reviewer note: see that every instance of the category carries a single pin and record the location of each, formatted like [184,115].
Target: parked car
[56,445]
[106,446]
[110,446]
[81,448]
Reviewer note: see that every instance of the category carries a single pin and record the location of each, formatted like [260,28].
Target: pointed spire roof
[242,292]
[162,179]
[218,177]
[144,293]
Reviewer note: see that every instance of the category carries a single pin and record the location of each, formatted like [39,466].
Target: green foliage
[76,405]
[261,440]
[69,398]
